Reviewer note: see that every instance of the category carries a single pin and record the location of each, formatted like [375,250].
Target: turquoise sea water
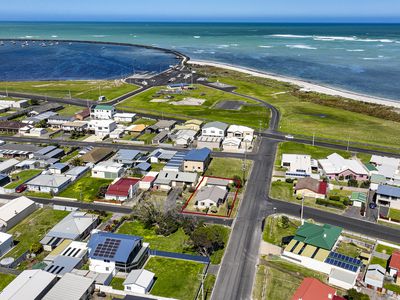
[363,58]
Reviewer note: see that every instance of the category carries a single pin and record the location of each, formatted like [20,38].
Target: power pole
[348,144]
[313,139]
[259,128]
[302,210]
[244,163]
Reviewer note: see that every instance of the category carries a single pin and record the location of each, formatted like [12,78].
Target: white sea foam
[265,46]
[222,46]
[99,35]
[234,45]
[332,38]
[291,36]
[196,36]
[355,50]
[306,47]
[380,57]
[54,36]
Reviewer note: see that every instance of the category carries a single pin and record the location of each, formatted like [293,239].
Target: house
[102,128]
[231,144]
[48,107]
[30,284]
[68,248]
[376,180]
[48,152]
[76,172]
[75,226]
[58,168]
[142,168]
[209,142]
[240,132]
[161,155]
[358,198]
[108,170]
[335,167]
[139,281]
[96,155]
[71,287]
[18,150]
[14,211]
[178,86]
[118,132]
[63,264]
[7,166]
[123,189]
[394,264]
[176,162]
[48,183]
[57,121]
[209,196]
[313,289]
[32,131]
[216,129]
[169,179]
[197,160]
[6,243]
[75,126]
[14,103]
[28,164]
[127,157]
[388,196]
[4,179]
[147,181]
[312,188]
[183,138]
[298,165]
[82,115]
[10,127]
[164,125]
[39,118]
[160,138]
[111,252]
[191,125]
[136,128]
[102,112]
[124,117]
[374,277]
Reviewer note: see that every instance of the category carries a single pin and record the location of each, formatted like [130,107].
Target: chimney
[324,235]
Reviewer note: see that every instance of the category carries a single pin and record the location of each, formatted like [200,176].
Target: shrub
[334,198]
[365,184]
[346,202]
[36,248]
[335,204]
[284,222]
[352,182]
[214,209]
[289,180]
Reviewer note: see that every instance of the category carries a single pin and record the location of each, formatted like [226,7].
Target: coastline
[304,85]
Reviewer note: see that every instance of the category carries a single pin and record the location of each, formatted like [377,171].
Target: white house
[389,196]
[298,165]
[216,129]
[108,170]
[209,196]
[231,144]
[78,126]
[13,103]
[102,112]
[124,117]
[337,167]
[147,181]
[8,165]
[139,281]
[48,183]
[6,243]
[14,211]
[102,128]
[184,137]
[240,132]
[375,276]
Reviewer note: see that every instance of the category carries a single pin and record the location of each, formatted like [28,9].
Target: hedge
[331,203]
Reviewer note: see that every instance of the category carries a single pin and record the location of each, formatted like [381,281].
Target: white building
[48,183]
[388,167]
[13,104]
[337,167]
[240,132]
[102,112]
[71,287]
[388,196]
[124,117]
[6,243]
[298,165]
[184,137]
[102,128]
[32,131]
[375,276]
[8,165]
[216,129]
[139,281]
[147,181]
[231,144]
[78,126]
[108,170]
[14,211]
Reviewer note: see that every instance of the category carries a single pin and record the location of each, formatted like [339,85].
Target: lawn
[394,214]
[85,189]
[378,261]
[5,279]
[250,114]
[69,110]
[302,116]
[22,177]
[392,287]
[33,228]
[385,249]
[208,286]
[157,167]
[274,232]
[175,278]
[90,90]
[227,167]
[38,195]
[117,283]
[145,121]
[349,249]
[147,138]
[70,156]
[282,190]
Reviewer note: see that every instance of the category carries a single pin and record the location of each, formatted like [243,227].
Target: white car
[290,137]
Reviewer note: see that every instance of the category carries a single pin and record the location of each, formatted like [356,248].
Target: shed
[139,281]
[71,287]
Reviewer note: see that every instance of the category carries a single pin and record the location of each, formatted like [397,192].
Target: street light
[302,210]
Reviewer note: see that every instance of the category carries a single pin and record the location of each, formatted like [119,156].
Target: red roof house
[394,265]
[313,289]
[123,189]
[310,187]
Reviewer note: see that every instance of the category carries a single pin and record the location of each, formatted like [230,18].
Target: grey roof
[217,181]
[62,264]
[163,154]
[216,124]
[213,193]
[53,181]
[377,178]
[164,123]
[166,177]
[7,164]
[126,154]
[46,107]
[76,171]
[388,190]
[62,118]
[160,136]
[45,150]
[19,147]
[73,225]
[70,287]
[140,277]
[343,275]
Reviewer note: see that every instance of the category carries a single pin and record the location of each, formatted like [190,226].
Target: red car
[21,188]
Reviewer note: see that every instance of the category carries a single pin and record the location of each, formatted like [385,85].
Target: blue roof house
[111,252]
[197,160]
[127,157]
[388,196]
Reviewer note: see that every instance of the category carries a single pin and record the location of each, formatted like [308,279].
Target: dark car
[372,205]
[21,188]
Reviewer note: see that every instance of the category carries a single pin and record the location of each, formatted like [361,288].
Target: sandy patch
[189,102]
[159,100]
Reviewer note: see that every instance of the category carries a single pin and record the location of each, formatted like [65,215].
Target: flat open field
[5,279]
[33,228]
[227,167]
[90,90]
[250,114]
[300,116]
[177,279]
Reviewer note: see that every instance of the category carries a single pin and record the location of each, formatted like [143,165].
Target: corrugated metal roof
[198,154]
[70,287]
[388,190]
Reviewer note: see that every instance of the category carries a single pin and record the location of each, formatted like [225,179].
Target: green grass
[175,278]
[5,279]
[38,195]
[70,156]
[157,167]
[282,190]
[85,189]
[385,249]
[227,167]
[349,249]
[23,177]
[273,232]
[79,89]
[209,285]
[392,287]
[394,214]
[69,110]
[33,228]
[117,283]
[147,138]
[305,117]
[378,261]
[144,121]
[249,115]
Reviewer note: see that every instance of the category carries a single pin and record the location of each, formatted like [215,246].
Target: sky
[202,10]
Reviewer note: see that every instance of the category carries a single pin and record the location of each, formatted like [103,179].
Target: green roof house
[357,198]
[371,167]
[321,236]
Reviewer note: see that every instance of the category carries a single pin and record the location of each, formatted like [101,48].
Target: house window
[107,268]
[128,288]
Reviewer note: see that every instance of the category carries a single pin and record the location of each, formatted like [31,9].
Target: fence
[196,258]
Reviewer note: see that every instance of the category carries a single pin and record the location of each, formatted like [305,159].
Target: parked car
[21,188]
[372,205]
[290,137]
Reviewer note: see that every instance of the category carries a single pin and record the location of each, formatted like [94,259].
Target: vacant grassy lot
[69,110]
[117,283]
[385,249]
[5,279]
[300,116]
[85,189]
[274,232]
[33,228]
[90,90]
[282,190]
[70,156]
[249,115]
[175,278]
[22,177]
[378,261]
[147,138]
[227,167]
[349,249]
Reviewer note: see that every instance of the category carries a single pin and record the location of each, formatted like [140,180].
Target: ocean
[363,58]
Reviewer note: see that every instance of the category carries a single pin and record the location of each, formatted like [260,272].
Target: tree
[41,124]
[237,181]
[352,294]
[77,161]
[208,239]
[284,222]
[352,182]
[365,184]
[36,248]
